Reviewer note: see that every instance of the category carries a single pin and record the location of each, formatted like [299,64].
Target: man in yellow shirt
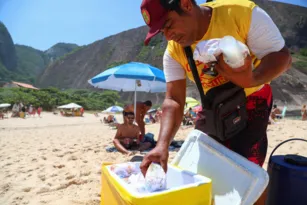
[183,24]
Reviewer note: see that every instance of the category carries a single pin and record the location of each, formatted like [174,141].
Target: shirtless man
[141,110]
[127,136]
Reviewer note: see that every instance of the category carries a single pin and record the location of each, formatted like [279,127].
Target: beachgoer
[30,110]
[141,110]
[81,111]
[184,23]
[39,110]
[127,136]
[304,113]
[275,111]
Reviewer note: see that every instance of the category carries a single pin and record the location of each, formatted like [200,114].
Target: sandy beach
[56,160]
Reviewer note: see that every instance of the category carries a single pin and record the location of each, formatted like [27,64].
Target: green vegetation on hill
[31,62]
[301,61]
[154,49]
[51,97]
[114,64]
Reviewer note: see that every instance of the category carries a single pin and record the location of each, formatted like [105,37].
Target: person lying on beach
[127,137]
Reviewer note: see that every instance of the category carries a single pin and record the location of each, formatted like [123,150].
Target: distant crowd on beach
[21,110]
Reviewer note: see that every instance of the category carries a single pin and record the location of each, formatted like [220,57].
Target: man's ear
[186,5]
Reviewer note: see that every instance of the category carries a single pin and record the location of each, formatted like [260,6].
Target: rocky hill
[291,21]
[74,70]
[24,63]
[8,56]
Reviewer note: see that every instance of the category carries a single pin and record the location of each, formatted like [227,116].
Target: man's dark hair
[128,113]
[148,103]
[174,5]
[275,106]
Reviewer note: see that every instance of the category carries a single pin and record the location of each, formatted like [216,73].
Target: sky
[43,23]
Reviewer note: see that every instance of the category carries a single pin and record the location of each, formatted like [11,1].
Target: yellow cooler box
[182,187]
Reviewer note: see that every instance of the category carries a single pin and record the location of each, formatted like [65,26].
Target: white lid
[235,180]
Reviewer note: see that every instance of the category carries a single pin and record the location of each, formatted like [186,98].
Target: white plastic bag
[234,51]
[125,170]
[155,178]
[137,181]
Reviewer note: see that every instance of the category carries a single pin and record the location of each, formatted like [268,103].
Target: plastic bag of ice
[126,169]
[155,178]
[234,51]
[137,181]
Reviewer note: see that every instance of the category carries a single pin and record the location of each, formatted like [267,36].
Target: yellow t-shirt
[229,17]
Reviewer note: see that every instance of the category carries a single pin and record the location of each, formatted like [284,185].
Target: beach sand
[57,160]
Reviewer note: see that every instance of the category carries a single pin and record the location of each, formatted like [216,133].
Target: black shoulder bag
[224,112]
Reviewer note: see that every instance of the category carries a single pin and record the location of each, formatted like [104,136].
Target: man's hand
[242,76]
[158,155]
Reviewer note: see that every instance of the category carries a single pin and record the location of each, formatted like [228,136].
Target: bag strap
[204,100]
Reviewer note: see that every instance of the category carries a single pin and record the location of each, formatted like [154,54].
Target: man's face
[130,119]
[181,28]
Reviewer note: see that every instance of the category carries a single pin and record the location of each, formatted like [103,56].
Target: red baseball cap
[154,16]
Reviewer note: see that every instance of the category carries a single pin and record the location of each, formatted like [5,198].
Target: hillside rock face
[8,56]
[77,68]
[290,19]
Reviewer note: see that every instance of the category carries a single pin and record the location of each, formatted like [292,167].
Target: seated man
[127,136]
[141,110]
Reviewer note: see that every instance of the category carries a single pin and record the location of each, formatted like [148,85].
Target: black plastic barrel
[288,178]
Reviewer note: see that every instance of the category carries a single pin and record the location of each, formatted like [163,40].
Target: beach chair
[283,113]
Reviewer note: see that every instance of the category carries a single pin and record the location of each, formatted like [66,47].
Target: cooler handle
[284,143]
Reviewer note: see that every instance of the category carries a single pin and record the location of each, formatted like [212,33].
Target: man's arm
[137,133]
[267,43]
[271,67]
[117,143]
[140,121]
[172,112]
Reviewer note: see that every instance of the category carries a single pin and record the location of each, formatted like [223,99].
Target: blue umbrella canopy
[133,76]
[114,109]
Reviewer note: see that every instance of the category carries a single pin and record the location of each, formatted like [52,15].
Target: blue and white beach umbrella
[133,76]
[114,109]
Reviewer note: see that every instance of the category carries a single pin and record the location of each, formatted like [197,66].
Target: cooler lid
[235,180]
[289,163]
[296,160]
